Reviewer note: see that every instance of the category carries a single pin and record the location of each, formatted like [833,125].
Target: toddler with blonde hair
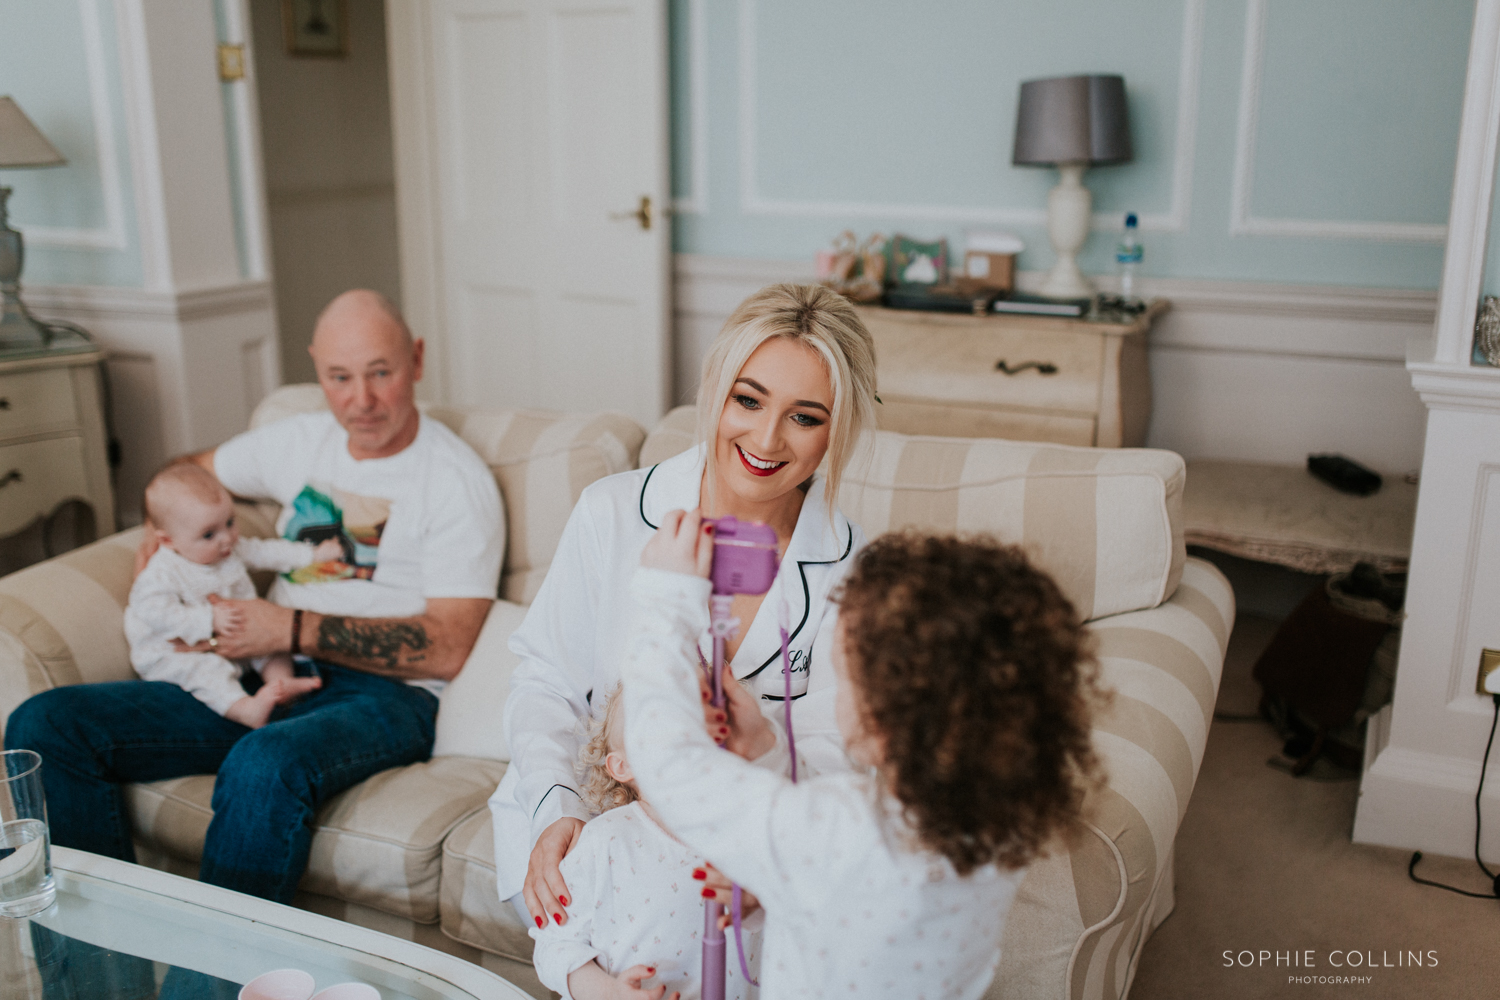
[635,909]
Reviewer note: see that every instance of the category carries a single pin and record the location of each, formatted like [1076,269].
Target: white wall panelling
[1422,756]
[110,236]
[192,351]
[1242,219]
[250,176]
[185,369]
[1240,370]
[696,199]
[753,202]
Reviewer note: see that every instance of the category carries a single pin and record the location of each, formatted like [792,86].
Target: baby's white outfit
[633,901]
[855,906]
[169,600]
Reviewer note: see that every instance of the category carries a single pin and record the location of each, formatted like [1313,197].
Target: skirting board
[1240,370]
[1421,801]
[185,368]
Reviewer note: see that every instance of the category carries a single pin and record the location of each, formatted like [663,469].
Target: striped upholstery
[1081,918]
[378,845]
[1105,522]
[673,436]
[473,912]
[541,459]
[62,621]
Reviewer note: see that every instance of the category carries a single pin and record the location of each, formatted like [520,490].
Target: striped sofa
[410,852]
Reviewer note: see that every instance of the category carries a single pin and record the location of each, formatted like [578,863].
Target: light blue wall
[60,60]
[45,66]
[877,115]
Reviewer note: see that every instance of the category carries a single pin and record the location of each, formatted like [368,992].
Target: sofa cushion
[471,720]
[472,911]
[541,459]
[378,844]
[1081,917]
[1105,522]
[673,435]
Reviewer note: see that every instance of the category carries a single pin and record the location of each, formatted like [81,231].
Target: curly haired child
[635,910]
[965,690]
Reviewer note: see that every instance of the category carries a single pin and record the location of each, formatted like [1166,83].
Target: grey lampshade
[22,143]
[1072,119]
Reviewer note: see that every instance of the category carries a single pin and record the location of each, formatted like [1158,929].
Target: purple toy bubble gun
[745,562]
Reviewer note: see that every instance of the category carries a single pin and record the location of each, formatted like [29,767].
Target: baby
[965,693]
[635,912]
[202,554]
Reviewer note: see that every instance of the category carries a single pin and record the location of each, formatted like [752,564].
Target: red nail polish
[699,874]
[723,729]
[558,918]
[563,900]
[708,893]
[540,922]
[718,716]
[650,968]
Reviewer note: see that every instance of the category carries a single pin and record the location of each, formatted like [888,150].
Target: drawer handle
[1042,367]
[4,403]
[13,476]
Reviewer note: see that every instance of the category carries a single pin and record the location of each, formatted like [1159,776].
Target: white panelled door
[532,168]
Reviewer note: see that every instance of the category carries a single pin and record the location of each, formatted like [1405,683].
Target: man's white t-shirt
[426,522]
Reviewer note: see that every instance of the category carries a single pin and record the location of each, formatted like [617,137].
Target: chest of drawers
[1033,378]
[52,440]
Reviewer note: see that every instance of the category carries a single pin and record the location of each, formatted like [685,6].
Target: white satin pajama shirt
[573,640]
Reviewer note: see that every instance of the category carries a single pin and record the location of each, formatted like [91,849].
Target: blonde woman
[788,387]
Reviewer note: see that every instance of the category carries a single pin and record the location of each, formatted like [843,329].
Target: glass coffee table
[123,932]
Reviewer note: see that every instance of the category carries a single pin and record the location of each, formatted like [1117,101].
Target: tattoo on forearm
[394,647]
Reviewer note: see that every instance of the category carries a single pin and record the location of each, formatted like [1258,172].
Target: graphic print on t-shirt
[321,512]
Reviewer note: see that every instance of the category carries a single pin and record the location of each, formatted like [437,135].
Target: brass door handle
[13,476]
[642,214]
[1042,367]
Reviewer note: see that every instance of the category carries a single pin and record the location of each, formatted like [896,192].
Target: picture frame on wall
[316,28]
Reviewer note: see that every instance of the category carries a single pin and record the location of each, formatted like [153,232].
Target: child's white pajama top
[632,900]
[855,907]
[169,600]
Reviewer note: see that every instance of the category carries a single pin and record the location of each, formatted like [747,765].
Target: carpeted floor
[1265,863]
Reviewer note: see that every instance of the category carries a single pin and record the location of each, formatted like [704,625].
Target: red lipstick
[752,469]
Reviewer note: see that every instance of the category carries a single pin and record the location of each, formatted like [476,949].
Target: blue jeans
[93,738]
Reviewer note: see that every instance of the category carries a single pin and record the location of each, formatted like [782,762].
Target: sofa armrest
[1082,915]
[62,621]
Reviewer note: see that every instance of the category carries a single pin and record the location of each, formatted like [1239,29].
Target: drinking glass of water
[26,885]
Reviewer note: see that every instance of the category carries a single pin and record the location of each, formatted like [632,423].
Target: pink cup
[349,991]
[283,984]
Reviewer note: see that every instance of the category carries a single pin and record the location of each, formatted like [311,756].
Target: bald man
[419,520]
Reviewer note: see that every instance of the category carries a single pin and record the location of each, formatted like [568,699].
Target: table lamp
[21,145]
[1071,122]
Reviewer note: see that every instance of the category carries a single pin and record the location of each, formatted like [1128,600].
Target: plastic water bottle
[1128,256]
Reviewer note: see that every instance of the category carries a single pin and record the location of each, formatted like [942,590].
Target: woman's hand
[683,544]
[738,726]
[719,889]
[544,890]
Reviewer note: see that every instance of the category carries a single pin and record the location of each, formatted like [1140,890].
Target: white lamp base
[1070,209]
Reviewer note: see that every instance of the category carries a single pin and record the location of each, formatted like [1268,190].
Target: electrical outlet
[1489,663]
